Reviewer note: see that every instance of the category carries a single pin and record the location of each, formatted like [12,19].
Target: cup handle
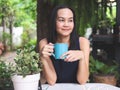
[65,57]
[53,54]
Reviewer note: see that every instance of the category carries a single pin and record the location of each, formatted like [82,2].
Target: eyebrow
[63,17]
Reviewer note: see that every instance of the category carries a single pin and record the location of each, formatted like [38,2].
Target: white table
[87,86]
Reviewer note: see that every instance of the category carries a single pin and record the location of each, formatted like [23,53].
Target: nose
[66,23]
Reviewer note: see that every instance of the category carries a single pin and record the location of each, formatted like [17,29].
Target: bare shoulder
[43,41]
[84,43]
[83,40]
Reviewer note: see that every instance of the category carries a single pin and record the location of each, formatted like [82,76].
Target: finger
[46,51]
[70,58]
[51,47]
[51,44]
[65,54]
[46,54]
[48,48]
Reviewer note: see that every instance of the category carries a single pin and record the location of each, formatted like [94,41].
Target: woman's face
[64,22]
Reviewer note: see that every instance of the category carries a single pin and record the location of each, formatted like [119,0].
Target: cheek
[72,26]
[58,25]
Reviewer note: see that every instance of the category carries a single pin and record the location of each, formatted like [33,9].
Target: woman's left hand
[73,55]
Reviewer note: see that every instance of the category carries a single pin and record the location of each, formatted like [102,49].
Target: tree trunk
[4,28]
[118,12]
[11,29]
[43,15]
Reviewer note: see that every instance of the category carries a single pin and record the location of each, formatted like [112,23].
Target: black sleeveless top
[66,71]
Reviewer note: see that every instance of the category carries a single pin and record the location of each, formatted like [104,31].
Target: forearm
[83,68]
[83,72]
[49,71]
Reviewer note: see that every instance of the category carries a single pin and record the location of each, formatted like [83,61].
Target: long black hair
[52,35]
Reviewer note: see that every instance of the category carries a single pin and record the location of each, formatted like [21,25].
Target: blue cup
[59,50]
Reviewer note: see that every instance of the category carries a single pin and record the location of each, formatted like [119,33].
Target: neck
[63,40]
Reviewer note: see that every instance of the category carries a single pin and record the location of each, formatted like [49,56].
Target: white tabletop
[87,86]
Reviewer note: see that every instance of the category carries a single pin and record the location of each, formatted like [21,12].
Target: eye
[71,20]
[61,20]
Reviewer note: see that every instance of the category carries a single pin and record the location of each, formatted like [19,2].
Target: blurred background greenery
[33,17]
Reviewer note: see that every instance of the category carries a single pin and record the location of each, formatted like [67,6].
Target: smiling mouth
[66,29]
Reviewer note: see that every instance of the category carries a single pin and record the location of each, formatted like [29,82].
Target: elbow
[52,81]
[82,80]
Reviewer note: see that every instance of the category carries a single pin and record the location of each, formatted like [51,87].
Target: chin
[66,35]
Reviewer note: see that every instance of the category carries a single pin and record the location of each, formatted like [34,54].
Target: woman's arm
[83,68]
[48,69]
[83,56]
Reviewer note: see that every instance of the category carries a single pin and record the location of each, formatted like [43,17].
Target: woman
[75,67]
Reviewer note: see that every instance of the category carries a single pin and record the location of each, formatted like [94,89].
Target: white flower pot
[30,82]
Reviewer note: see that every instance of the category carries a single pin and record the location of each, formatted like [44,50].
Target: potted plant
[27,69]
[5,74]
[103,73]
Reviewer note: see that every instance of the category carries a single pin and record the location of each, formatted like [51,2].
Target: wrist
[81,56]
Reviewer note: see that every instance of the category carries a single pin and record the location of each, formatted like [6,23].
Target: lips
[66,29]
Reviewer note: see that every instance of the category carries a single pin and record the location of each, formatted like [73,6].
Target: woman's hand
[73,55]
[47,50]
